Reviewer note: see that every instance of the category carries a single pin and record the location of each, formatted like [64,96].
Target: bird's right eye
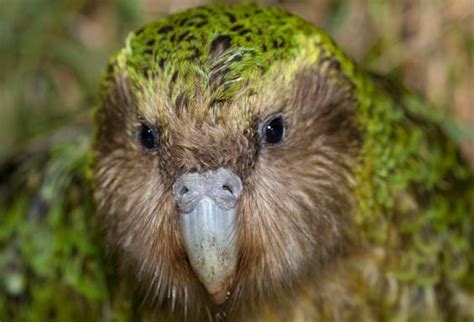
[148,138]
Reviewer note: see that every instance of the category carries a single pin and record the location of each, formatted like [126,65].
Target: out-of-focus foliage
[50,261]
[52,54]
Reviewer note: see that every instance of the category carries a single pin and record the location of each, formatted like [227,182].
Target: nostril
[184,190]
[227,188]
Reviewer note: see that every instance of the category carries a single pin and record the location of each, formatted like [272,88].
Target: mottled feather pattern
[219,47]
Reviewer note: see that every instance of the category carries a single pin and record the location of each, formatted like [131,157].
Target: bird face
[222,181]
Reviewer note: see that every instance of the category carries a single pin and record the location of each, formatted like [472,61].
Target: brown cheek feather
[297,206]
[139,218]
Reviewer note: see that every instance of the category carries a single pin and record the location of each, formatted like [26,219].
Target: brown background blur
[52,52]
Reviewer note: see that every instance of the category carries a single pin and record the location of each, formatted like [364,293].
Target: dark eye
[272,130]
[148,139]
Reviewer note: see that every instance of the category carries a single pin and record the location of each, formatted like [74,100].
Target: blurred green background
[52,52]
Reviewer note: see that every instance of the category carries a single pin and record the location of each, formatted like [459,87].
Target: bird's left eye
[272,130]
[148,138]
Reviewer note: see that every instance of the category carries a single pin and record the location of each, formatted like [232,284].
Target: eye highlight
[272,130]
[148,138]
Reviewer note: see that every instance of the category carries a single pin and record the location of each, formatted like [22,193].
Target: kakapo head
[224,153]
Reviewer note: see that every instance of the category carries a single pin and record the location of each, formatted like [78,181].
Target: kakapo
[239,166]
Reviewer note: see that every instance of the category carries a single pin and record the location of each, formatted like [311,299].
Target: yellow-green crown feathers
[225,45]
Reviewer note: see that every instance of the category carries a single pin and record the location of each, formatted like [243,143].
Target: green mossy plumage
[416,202]
[186,48]
[183,41]
[415,194]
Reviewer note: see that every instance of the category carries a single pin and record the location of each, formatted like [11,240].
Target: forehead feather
[220,51]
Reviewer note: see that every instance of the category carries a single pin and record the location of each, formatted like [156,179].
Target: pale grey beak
[207,204]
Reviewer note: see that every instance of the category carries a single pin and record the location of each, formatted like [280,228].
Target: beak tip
[219,297]
[219,293]
[215,280]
